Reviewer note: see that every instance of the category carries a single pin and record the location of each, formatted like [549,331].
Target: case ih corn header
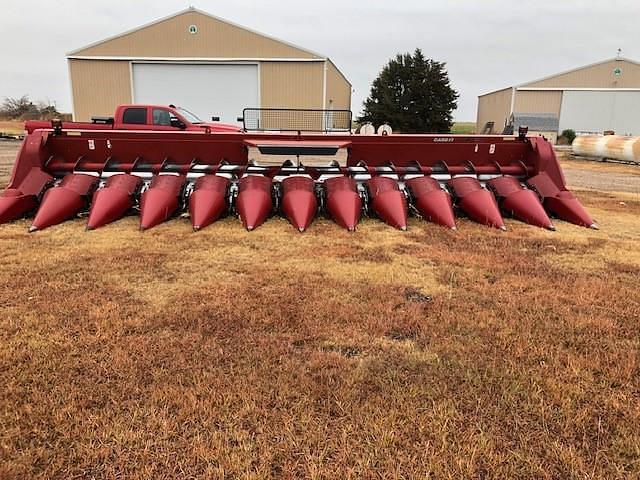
[63,172]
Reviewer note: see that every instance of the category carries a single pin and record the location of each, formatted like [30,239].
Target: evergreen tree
[413,95]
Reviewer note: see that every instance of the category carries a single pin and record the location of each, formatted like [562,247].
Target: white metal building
[590,99]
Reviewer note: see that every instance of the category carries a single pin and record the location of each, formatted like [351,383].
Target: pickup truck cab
[143,117]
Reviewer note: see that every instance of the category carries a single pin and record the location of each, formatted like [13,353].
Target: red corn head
[343,202]
[111,202]
[208,200]
[560,203]
[479,204]
[64,201]
[433,203]
[388,202]
[254,201]
[519,202]
[53,155]
[160,200]
[299,202]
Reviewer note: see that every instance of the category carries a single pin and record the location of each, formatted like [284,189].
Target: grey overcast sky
[487,44]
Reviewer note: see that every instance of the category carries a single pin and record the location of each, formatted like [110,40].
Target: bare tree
[24,109]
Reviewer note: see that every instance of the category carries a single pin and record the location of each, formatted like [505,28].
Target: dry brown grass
[224,354]
[12,127]
[274,354]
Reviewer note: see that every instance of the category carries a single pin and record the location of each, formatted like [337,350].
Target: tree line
[23,108]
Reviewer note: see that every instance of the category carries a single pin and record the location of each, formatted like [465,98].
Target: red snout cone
[64,201]
[254,202]
[519,202]
[299,202]
[388,202]
[161,200]
[433,203]
[114,200]
[14,204]
[479,204]
[208,200]
[343,202]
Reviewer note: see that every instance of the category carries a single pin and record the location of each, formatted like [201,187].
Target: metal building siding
[595,76]
[214,38]
[98,86]
[338,89]
[291,84]
[494,107]
[547,101]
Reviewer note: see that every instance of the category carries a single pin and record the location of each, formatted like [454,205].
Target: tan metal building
[203,63]
[589,99]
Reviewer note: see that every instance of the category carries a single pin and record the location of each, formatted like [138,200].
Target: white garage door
[596,111]
[206,90]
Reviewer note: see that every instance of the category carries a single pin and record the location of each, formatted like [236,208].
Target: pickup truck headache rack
[295,120]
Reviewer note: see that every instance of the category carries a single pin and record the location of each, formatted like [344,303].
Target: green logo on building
[617,72]
[193,29]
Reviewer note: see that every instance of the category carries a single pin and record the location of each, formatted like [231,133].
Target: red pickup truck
[142,117]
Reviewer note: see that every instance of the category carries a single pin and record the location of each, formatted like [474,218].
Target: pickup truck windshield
[188,115]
